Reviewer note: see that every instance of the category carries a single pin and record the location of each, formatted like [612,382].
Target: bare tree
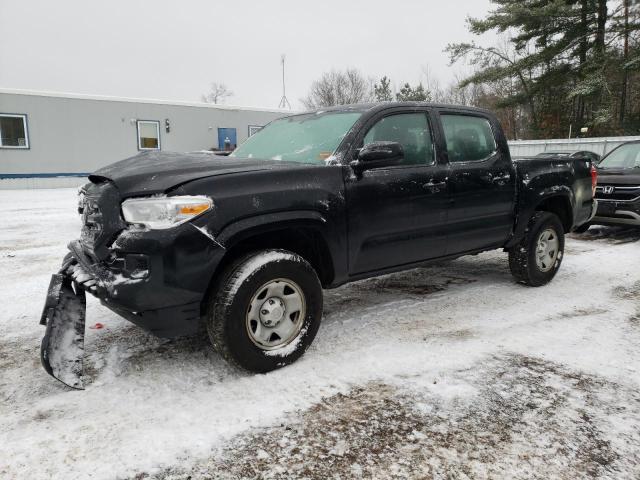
[457,94]
[217,94]
[432,85]
[453,93]
[339,88]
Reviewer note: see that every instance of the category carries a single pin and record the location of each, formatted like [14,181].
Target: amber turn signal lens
[194,209]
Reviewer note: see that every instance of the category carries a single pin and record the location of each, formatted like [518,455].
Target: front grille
[101,221]
[91,220]
[618,193]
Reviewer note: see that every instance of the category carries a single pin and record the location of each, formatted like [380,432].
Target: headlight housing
[158,213]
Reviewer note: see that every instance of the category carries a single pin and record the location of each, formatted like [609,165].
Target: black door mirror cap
[379,154]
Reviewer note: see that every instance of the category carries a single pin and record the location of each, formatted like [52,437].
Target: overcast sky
[173,49]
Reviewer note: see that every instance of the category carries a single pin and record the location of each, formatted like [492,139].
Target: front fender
[250,226]
[331,232]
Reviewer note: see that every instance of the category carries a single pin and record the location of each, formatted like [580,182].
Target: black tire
[582,228]
[522,257]
[229,304]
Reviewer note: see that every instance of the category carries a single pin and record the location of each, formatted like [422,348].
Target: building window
[148,135]
[13,131]
[254,129]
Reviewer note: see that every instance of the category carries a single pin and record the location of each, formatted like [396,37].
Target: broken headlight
[159,213]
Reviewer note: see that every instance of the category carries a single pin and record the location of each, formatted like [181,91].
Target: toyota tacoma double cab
[245,244]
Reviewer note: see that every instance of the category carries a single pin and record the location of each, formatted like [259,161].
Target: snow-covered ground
[452,371]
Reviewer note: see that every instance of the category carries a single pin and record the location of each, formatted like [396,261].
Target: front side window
[148,135]
[468,138]
[411,130]
[307,138]
[13,131]
[625,156]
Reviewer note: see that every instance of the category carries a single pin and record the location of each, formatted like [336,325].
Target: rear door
[397,215]
[482,181]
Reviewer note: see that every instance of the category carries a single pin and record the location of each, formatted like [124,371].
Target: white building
[53,139]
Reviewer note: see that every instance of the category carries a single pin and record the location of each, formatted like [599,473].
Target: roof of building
[109,98]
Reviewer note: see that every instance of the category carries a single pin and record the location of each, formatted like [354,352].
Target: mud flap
[62,347]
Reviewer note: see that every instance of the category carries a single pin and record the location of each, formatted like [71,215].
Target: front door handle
[501,179]
[434,187]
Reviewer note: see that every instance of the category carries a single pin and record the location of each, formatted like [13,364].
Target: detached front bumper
[62,346]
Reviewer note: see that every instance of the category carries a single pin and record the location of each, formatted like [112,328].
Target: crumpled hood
[157,172]
[619,176]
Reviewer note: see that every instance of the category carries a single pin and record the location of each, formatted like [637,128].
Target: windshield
[308,138]
[626,156]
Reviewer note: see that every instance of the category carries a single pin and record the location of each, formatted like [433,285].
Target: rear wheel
[266,310]
[537,258]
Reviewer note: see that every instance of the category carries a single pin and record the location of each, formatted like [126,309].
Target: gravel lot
[452,371]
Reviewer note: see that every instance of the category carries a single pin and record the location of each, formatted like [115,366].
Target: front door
[227,139]
[397,215]
[482,183]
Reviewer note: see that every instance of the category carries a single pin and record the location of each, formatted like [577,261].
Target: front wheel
[266,310]
[582,228]
[537,258]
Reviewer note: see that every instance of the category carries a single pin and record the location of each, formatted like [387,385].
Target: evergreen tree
[565,57]
[382,92]
[410,94]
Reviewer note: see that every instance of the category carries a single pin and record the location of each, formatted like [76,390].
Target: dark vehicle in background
[594,157]
[246,243]
[618,190]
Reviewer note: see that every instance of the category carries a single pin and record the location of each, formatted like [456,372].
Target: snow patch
[255,264]
[289,348]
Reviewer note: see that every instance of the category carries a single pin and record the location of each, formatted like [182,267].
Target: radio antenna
[284,102]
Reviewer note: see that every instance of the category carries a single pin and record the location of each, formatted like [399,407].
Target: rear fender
[531,202]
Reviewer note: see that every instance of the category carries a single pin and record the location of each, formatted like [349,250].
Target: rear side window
[411,130]
[468,138]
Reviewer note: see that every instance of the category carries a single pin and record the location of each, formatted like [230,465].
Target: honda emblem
[608,190]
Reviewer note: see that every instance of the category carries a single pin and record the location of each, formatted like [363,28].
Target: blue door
[227,139]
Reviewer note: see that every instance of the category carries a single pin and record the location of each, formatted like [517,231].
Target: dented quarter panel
[542,179]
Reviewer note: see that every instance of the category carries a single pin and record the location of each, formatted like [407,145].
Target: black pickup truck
[244,244]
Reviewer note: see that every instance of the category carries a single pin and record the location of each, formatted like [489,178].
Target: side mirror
[378,154]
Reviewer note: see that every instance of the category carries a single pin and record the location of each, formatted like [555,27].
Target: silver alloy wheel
[547,250]
[276,314]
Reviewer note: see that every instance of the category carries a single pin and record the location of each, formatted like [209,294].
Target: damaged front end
[64,313]
[155,277]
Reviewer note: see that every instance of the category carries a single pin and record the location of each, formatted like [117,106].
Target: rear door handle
[434,187]
[501,178]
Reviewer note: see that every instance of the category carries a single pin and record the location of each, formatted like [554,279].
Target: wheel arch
[559,205]
[304,233]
